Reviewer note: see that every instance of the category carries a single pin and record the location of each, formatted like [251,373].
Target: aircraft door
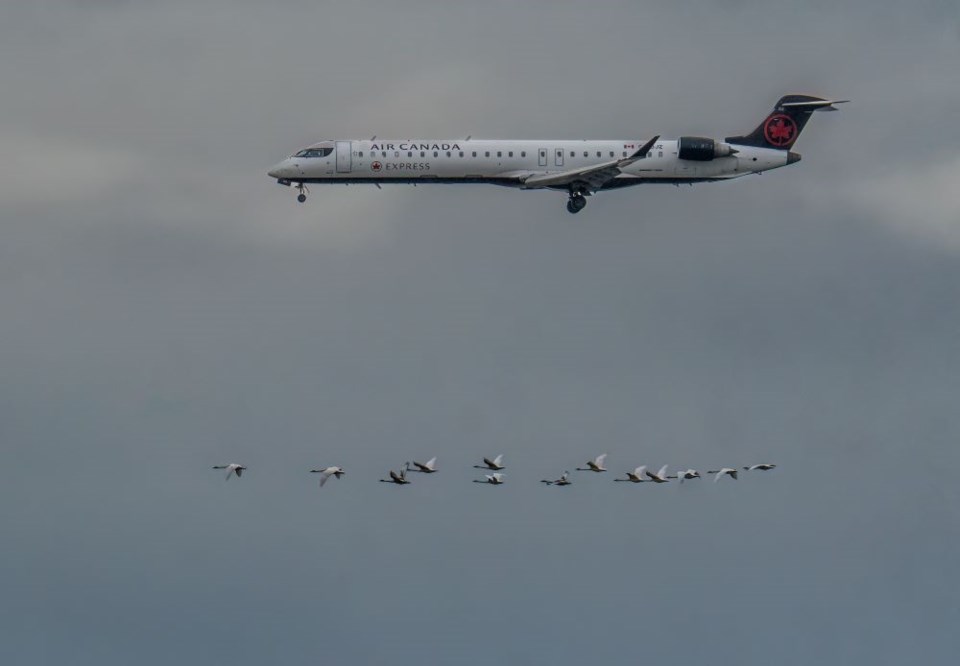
[543,157]
[344,157]
[558,157]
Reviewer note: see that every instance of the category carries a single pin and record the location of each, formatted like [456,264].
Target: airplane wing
[594,176]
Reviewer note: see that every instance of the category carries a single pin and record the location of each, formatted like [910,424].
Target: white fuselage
[509,163]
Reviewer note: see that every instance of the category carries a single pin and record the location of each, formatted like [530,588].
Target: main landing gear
[577,201]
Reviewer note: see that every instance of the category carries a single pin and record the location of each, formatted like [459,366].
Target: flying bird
[326,472]
[496,464]
[564,480]
[428,467]
[494,479]
[232,468]
[729,471]
[761,466]
[686,475]
[659,477]
[595,465]
[399,479]
[636,476]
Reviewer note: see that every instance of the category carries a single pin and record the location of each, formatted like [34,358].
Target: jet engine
[701,149]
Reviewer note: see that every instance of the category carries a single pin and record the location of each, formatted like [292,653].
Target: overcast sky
[165,307]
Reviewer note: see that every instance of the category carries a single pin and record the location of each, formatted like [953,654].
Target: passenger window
[487,154]
[461,153]
[499,154]
[523,153]
[361,153]
[422,154]
[572,154]
[598,153]
[624,153]
[611,153]
[435,153]
[448,153]
[410,154]
[660,154]
[474,153]
[396,154]
[586,154]
[384,153]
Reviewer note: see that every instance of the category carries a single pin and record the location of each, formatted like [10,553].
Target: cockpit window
[314,152]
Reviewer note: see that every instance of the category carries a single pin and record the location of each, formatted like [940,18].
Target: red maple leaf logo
[780,130]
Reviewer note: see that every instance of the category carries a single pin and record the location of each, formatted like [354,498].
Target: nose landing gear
[577,201]
[303,192]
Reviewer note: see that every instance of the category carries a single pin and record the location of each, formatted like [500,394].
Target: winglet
[641,153]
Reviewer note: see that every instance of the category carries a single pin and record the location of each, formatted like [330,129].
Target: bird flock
[641,474]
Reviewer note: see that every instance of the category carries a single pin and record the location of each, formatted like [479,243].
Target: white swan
[326,472]
[686,475]
[762,466]
[496,464]
[728,471]
[595,465]
[564,480]
[232,468]
[428,467]
[636,476]
[494,479]
[659,477]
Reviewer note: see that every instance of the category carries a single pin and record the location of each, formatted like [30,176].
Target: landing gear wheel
[576,203]
[303,192]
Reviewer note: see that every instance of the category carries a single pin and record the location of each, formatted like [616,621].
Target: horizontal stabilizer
[818,105]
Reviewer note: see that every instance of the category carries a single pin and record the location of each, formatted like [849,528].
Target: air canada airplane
[579,168]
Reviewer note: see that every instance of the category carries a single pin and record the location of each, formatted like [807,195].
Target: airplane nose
[276,171]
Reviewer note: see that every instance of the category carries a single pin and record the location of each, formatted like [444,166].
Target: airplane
[579,168]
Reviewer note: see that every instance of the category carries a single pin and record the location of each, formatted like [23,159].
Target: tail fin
[783,125]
